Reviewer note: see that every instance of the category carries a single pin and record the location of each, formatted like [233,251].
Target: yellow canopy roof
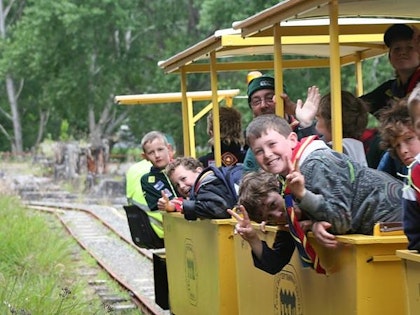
[313,9]
[359,37]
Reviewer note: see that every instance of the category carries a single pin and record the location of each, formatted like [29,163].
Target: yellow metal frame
[349,42]
[188,117]
[270,21]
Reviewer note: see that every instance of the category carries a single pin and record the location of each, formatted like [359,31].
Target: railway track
[103,232]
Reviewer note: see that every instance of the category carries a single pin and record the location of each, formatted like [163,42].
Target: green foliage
[64,130]
[74,56]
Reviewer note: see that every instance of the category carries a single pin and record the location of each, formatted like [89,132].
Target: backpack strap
[207,171]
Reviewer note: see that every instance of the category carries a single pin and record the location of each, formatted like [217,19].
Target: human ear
[171,151]
[293,139]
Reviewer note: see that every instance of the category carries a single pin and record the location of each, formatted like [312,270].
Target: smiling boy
[205,194]
[326,184]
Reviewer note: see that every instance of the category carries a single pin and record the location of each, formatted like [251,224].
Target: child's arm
[270,260]
[328,194]
[211,201]
[321,201]
[322,236]
[246,231]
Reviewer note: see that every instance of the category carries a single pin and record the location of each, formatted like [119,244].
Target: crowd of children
[292,159]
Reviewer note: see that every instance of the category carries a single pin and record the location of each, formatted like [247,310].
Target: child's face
[273,151]
[322,129]
[272,209]
[415,117]
[407,145]
[184,179]
[157,152]
[403,55]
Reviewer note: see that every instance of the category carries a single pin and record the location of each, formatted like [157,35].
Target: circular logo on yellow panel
[287,293]
[191,274]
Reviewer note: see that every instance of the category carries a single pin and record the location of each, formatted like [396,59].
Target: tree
[15,139]
[74,56]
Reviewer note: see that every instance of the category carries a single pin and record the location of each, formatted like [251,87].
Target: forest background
[63,62]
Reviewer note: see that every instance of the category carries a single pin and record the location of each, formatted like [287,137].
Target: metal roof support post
[185,114]
[191,124]
[278,70]
[335,78]
[359,74]
[216,120]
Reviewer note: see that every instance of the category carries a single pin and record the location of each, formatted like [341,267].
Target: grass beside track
[36,267]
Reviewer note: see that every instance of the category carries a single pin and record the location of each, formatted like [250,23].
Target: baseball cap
[263,82]
[397,32]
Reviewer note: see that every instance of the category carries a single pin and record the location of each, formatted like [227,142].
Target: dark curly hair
[392,122]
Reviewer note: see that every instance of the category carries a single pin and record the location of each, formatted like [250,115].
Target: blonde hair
[152,135]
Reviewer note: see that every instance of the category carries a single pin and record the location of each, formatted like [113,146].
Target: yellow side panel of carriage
[201,266]
[364,277]
[411,266]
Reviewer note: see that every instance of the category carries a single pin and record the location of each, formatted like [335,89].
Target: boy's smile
[184,179]
[272,151]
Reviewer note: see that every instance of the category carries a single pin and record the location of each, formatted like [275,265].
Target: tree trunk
[16,143]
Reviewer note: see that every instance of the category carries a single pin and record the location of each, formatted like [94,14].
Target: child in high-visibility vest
[157,150]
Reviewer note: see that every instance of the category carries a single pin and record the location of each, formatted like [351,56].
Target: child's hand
[165,204]
[243,227]
[323,237]
[295,181]
[177,203]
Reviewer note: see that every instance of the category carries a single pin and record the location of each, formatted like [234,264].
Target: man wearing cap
[261,100]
